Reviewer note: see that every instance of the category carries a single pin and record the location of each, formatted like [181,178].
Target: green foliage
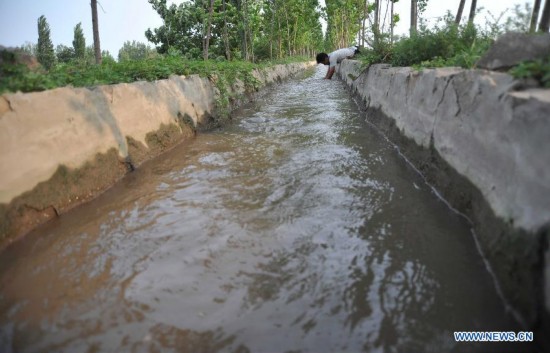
[538,70]
[107,57]
[422,5]
[447,46]
[29,48]
[344,21]
[82,74]
[9,65]
[64,54]
[79,43]
[44,51]
[520,20]
[135,51]
[241,29]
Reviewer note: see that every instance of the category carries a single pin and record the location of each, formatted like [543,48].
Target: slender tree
[545,19]
[95,24]
[414,16]
[256,28]
[79,42]
[472,15]
[45,52]
[64,53]
[208,29]
[225,34]
[459,12]
[363,22]
[135,51]
[534,17]
[391,21]
[376,28]
[29,48]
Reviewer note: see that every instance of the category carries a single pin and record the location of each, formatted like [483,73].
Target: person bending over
[335,58]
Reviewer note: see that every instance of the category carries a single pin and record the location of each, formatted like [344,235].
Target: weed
[538,70]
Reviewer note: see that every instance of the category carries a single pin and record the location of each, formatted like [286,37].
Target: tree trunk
[279,36]
[287,30]
[271,33]
[95,24]
[459,12]
[414,16]
[225,36]
[364,23]
[208,29]
[391,23]
[376,27]
[534,17]
[386,17]
[378,11]
[242,30]
[545,19]
[376,17]
[472,12]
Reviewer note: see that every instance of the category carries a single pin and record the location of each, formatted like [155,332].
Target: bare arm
[330,72]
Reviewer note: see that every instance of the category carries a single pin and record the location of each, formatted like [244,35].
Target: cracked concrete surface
[472,112]
[485,147]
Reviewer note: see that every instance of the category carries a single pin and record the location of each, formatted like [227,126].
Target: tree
[534,17]
[248,29]
[519,20]
[208,29]
[79,42]
[344,18]
[181,29]
[106,57]
[392,21]
[376,26]
[135,51]
[459,12]
[65,54]
[472,12]
[414,17]
[29,48]
[90,55]
[545,19]
[225,34]
[95,24]
[44,51]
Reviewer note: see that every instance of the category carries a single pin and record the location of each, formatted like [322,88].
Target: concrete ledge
[484,146]
[64,146]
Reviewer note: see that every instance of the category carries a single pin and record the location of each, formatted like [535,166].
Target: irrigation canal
[298,228]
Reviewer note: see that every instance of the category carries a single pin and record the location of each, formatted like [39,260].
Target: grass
[448,45]
[538,70]
[17,77]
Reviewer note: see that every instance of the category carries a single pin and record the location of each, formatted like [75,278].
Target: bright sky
[122,20]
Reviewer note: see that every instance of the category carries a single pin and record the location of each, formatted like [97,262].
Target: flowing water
[298,228]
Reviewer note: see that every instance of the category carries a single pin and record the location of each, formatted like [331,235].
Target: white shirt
[338,55]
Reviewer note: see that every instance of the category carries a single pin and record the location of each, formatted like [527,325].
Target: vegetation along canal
[297,228]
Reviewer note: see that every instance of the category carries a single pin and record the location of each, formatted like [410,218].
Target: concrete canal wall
[62,147]
[484,144]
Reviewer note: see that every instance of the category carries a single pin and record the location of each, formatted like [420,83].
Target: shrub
[538,70]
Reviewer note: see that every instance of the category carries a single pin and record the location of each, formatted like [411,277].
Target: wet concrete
[297,229]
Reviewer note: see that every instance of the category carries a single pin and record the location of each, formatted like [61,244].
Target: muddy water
[296,229]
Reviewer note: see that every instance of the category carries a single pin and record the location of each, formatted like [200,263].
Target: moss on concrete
[66,189]
[70,187]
